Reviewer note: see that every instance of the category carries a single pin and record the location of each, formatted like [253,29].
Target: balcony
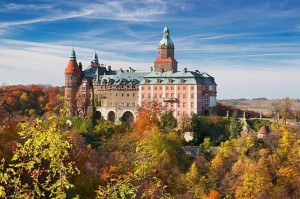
[171,100]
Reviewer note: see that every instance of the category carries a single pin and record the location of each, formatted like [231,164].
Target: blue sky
[252,48]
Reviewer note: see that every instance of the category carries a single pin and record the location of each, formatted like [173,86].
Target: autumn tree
[147,117]
[167,121]
[286,110]
[40,165]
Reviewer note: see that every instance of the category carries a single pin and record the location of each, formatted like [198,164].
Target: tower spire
[95,57]
[73,54]
[166,32]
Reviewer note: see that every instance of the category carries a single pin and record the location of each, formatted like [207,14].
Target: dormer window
[170,80]
[158,81]
[181,81]
[147,81]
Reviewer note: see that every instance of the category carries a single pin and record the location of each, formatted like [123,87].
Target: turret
[95,61]
[73,76]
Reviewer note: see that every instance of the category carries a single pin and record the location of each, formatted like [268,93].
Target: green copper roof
[180,77]
[73,54]
[95,58]
[166,37]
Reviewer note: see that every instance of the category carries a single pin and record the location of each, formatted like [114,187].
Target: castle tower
[165,60]
[73,75]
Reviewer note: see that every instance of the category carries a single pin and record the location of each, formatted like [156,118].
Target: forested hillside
[48,155]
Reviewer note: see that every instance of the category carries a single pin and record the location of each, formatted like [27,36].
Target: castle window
[155,88]
[127,94]
[133,94]
[181,80]
[133,104]
[149,96]
[172,88]
[170,80]
[157,80]
[192,96]
[178,88]
[178,95]
[147,81]
[149,88]
[206,100]
[184,96]
[192,104]
[167,88]
[143,96]
[184,104]
[184,88]
[142,88]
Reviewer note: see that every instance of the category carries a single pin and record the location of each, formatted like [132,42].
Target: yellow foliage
[217,163]
[24,96]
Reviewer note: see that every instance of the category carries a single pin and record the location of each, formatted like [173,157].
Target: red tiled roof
[164,60]
[72,67]
[264,130]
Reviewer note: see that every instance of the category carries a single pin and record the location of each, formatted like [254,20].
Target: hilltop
[266,106]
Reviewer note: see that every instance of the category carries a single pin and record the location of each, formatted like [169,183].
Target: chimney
[80,66]
[184,70]
[151,68]
[162,70]
[131,70]
[121,69]
[109,68]
[197,71]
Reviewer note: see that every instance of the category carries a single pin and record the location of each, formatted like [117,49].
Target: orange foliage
[213,194]
[31,99]
[148,116]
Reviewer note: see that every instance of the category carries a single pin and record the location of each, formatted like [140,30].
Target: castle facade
[116,94]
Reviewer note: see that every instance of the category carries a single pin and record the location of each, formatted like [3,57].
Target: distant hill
[258,104]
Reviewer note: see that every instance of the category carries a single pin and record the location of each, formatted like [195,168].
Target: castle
[115,94]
